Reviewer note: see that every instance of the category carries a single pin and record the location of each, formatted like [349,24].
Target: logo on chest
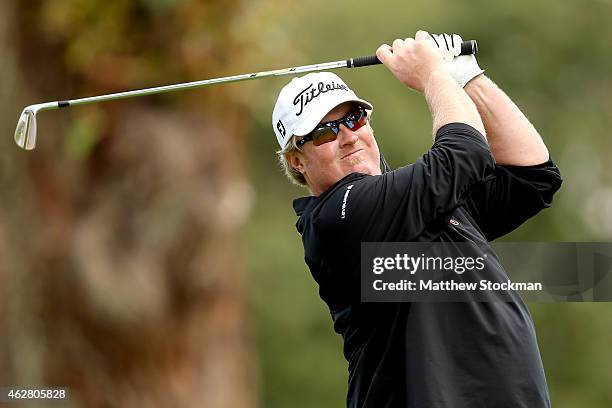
[346,194]
[454,222]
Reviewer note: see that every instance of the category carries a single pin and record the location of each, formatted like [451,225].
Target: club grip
[467,48]
[362,61]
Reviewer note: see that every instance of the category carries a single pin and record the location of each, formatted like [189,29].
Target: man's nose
[346,136]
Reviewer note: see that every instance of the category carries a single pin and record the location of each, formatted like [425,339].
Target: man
[487,172]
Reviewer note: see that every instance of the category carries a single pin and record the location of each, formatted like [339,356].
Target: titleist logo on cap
[309,93]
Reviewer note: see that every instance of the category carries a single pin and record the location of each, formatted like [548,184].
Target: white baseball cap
[304,101]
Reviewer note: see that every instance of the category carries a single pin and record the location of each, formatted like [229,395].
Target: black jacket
[466,354]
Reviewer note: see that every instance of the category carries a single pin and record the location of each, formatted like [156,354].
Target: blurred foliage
[133,207]
[553,59]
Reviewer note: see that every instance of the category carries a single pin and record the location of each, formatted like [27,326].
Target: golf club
[25,133]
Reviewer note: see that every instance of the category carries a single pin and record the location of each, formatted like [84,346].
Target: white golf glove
[463,68]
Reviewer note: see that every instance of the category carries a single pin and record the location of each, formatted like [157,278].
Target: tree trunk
[120,273]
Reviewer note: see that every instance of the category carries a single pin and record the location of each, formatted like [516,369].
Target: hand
[463,68]
[413,61]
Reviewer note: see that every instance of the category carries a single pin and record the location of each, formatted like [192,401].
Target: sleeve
[400,205]
[511,196]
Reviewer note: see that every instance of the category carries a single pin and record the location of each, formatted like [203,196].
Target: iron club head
[25,133]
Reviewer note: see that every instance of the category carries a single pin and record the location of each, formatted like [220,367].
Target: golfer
[487,172]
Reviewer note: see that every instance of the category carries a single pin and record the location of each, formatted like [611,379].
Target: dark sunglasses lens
[328,133]
[323,135]
[356,120]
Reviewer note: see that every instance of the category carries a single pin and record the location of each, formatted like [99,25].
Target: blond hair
[292,174]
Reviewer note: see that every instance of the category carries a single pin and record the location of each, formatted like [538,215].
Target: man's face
[351,152]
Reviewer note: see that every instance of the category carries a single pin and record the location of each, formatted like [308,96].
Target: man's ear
[295,160]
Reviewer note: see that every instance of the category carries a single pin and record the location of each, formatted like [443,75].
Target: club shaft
[468,47]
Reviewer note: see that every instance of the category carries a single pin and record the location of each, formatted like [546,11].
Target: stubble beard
[353,161]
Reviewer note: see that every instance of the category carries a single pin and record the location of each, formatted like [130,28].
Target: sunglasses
[328,131]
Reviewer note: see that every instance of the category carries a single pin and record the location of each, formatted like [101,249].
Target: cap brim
[318,114]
